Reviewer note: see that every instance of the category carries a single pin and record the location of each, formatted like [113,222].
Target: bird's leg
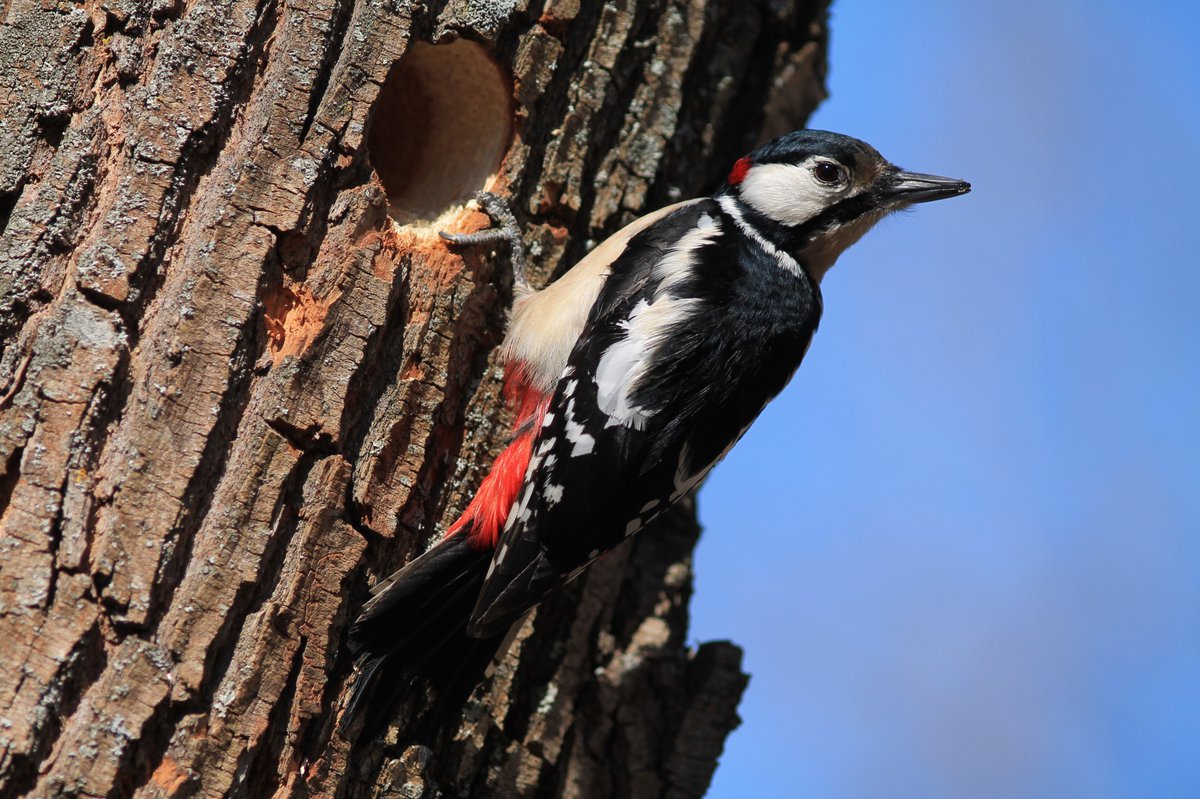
[506,229]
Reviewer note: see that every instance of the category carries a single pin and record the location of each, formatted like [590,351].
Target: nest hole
[440,128]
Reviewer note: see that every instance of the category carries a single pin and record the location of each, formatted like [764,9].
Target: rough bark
[241,379]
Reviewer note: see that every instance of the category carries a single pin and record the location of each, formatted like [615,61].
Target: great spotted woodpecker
[630,377]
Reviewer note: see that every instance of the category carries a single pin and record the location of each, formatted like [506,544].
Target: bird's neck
[784,242]
[821,252]
[815,245]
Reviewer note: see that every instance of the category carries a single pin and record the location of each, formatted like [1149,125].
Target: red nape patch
[738,173]
[489,508]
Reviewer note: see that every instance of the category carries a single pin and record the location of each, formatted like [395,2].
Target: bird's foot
[506,230]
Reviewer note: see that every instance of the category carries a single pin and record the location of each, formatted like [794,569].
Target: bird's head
[814,193]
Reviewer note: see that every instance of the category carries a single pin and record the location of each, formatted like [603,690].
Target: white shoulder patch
[546,324]
[622,365]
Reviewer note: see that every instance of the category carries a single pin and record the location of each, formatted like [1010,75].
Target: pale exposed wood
[233,393]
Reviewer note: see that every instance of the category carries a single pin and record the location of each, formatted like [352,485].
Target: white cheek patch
[786,193]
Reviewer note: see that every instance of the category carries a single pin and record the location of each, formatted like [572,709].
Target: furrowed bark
[241,378]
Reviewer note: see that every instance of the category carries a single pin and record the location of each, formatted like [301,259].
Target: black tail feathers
[412,635]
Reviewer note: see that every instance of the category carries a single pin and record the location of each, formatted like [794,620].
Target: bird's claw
[506,230]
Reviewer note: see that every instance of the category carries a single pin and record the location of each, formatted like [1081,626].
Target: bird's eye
[829,173]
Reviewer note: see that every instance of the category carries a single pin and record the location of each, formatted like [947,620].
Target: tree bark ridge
[234,390]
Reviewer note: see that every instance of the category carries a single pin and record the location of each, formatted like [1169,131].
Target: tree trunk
[241,378]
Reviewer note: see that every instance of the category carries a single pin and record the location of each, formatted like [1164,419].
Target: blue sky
[962,550]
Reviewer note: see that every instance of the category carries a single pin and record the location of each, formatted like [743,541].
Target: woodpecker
[629,377]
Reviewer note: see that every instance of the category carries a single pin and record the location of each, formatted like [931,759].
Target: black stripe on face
[792,239]
[839,214]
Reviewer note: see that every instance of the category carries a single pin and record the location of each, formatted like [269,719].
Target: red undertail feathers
[488,511]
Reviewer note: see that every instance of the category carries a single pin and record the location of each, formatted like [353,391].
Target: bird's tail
[412,634]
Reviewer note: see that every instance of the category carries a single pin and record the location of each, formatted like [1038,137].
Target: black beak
[913,187]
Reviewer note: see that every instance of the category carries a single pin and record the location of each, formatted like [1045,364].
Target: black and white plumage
[655,390]
[633,375]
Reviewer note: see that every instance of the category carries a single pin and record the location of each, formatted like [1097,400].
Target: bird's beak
[913,187]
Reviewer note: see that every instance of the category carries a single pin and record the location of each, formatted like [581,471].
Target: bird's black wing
[624,436]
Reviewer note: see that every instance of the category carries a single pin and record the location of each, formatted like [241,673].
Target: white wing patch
[623,364]
[546,324]
[583,442]
[520,509]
